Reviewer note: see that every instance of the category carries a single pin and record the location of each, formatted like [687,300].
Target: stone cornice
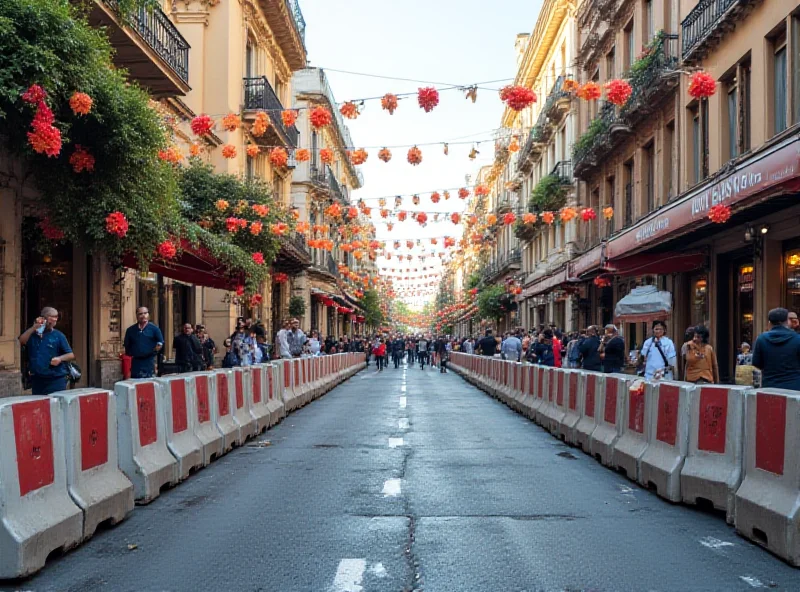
[256,21]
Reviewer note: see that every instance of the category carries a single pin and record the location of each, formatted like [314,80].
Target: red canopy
[655,264]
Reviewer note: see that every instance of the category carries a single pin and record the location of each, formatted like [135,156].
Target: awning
[591,260]
[194,265]
[656,264]
[644,304]
[545,284]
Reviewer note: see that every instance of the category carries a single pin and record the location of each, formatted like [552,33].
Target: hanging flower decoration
[719,214]
[618,91]
[529,218]
[229,151]
[463,193]
[589,91]
[608,212]
[455,217]
[352,212]
[702,85]
[349,110]
[302,155]
[167,250]
[401,216]
[295,214]
[385,154]
[389,103]
[80,103]
[34,95]
[446,195]
[171,155]
[334,210]
[260,124]
[278,157]
[513,146]
[302,227]
[481,190]
[415,200]
[279,229]
[81,160]
[45,137]
[258,258]
[260,210]
[414,156]
[491,219]
[320,117]
[422,218]
[602,282]
[517,98]
[256,227]
[195,149]
[327,156]
[428,98]
[49,230]
[473,220]
[359,156]
[117,224]
[202,125]
[435,197]
[231,122]
[567,214]
[588,214]
[570,85]
[509,218]
[252,150]
[240,290]
[289,117]
[384,213]
[548,217]
[280,278]
[255,300]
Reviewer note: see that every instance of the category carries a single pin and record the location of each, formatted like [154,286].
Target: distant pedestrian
[488,345]
[777,353]
[543,352]
[188,350]
[701,361]
[511,348]
[143,341]
[380,354]
[590,351]
[612,350]
[658,354]
[48,350]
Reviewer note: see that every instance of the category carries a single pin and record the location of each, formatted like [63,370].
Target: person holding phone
[142,342]
[47,349]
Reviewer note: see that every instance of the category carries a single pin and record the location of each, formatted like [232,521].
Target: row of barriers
[79,458]
[732,448]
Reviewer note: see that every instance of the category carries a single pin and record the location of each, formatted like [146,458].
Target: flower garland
[589,91]
[349,110]
[428,98]
[278,157]
[289,117]
[414,156]
[702,85]
[719,214]
[202,125]
[385,154]
[618,91]
[320,117]
[389,103]
[517,98]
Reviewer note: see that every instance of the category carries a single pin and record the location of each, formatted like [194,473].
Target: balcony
[327,266]
[555,107]
[260,96]
[558,102]
[652,77]
[510,261]
[293,255]
[705,24]
[148,46]
[325,179]
[605,132]
[563,170]
[285,20]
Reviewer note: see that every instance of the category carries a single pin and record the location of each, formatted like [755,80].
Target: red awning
[194,265]
[655,264]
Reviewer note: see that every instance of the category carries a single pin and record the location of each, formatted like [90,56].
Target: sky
[447,42]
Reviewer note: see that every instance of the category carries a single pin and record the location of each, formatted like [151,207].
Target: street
[411,480]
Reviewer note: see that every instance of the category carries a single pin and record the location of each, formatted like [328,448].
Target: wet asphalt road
[412,480]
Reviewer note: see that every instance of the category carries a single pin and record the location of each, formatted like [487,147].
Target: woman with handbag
[659,356]
[701,361]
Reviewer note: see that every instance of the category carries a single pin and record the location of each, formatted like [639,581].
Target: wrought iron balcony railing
[260,96]
[158,31]
[325,177]
[704,21]
[563,170]
[299,21]
[649,78]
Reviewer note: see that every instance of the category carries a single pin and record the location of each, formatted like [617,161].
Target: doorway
[735,308]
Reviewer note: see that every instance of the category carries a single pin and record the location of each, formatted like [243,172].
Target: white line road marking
[391,488]
[713,543]
[403,388]
[403,423]
[624,489]
[349,575]
[378,570]
[395,442]
[753,582]
[403,402]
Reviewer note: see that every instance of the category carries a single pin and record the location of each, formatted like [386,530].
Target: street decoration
[618,91]
[589,91]
[517,98]
[320,117]
[428,98]
[389,103]
[414,156]
[702,85]
[719,214]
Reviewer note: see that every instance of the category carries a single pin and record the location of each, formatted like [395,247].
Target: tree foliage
[297,306]
[489,304]
[371,304]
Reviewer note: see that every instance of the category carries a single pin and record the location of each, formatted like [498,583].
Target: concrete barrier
[94,481]
[554,412]
[573,404]
[241,408]
[636,412]
[714,462]
[768,501]
[255,387]
[277,411]
[37,515]
[290,400]
[300,390]
[316,384]
[142,439]
[222,411]
[589,405]
[541,386]
[518,386]
[204,410]
[182,442]
[609,419]
[668,442]
[526,401]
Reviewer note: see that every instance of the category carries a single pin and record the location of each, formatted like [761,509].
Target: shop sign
[753,177]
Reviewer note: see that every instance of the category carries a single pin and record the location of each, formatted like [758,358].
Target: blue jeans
[46,385]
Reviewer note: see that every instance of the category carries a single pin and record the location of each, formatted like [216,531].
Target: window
[669,145]
[744,106]
[251,61]
[648,20]
[779,87]
[698,115]
[629,46]
[610,64]
[697,144]
[795,66]
[249,168]
[649,178]
[628,180]
[611,188]
[314,149]
[731,102]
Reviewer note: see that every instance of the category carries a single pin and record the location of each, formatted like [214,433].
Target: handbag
[73,372]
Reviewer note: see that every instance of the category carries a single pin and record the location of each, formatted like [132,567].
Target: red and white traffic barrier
[554,411]
[182,442]
[241,407]
[609,419]
[277,411]
[528,380]
[590,408]
[291,400]
[636,411]
[518,386]
[768,501]
[255,388]
[573,404]
[94,480]
[142,439]
[714,462]
[222,410]
[204,409]
[541,389]
[668,440]
[37,515]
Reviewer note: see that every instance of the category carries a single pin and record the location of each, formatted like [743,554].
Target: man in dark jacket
[590,356]
[777,353]
[488,345]
[398,350]
[188,350]
[613,350]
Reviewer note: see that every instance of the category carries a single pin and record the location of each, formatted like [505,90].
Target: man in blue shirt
[143,341]
[47,351]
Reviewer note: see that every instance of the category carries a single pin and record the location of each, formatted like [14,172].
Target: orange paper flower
[229,151]
[435,197]
[359,156]
[320,117]
[570,85]
[327,156]
[481,190]
[589,91]
[491,219]
[414,156]
[80,103]
[548,217]
[349,110]
[252,150]
[567,214]
[171,155]
[278,157]
[513,146]
[260,209]
[231,122]
[385,154]
[260,124]
[455,217]
[389,103]
[289,117]
[463,193]
[529,218]
[608,212]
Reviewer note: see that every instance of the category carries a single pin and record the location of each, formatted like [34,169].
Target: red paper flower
[289,117]
[232,224]
[455,217]
[334,210]
[719,214]
[202,125]
[34,95]
[117,224]
[517,98]
[435,197]
[385,154]
[81,160]
[49,230]
[258,258]
[349,110]
[588,214]
[255,300]
[240,290]
[167,250]
[401,216]
[278,157]
[463,193]
[509,218]
[389,103]
[428,98]
[229,151]
[618,91]
[422,218]
[327,156]
[352,212]
[302,155]
[481,190]
[80,103]
[702,85]
[320,117]
[589,91]
[45,138]
[280,278]
[414,156]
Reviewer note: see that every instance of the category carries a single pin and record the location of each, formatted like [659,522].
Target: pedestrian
[558,351]
[143,341]
[380,354]
[688,335]
[777,353]
[295,339]
[745,371]
[314,346]
[443,353]
[612,350]
[794,323]
[488,345]
[188,350]
[511,348]
[658,354]
[590,351]
[230,360]
[469,346]
[281,341]
[48,353]
[701,361]
[209,347]
[543,352]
